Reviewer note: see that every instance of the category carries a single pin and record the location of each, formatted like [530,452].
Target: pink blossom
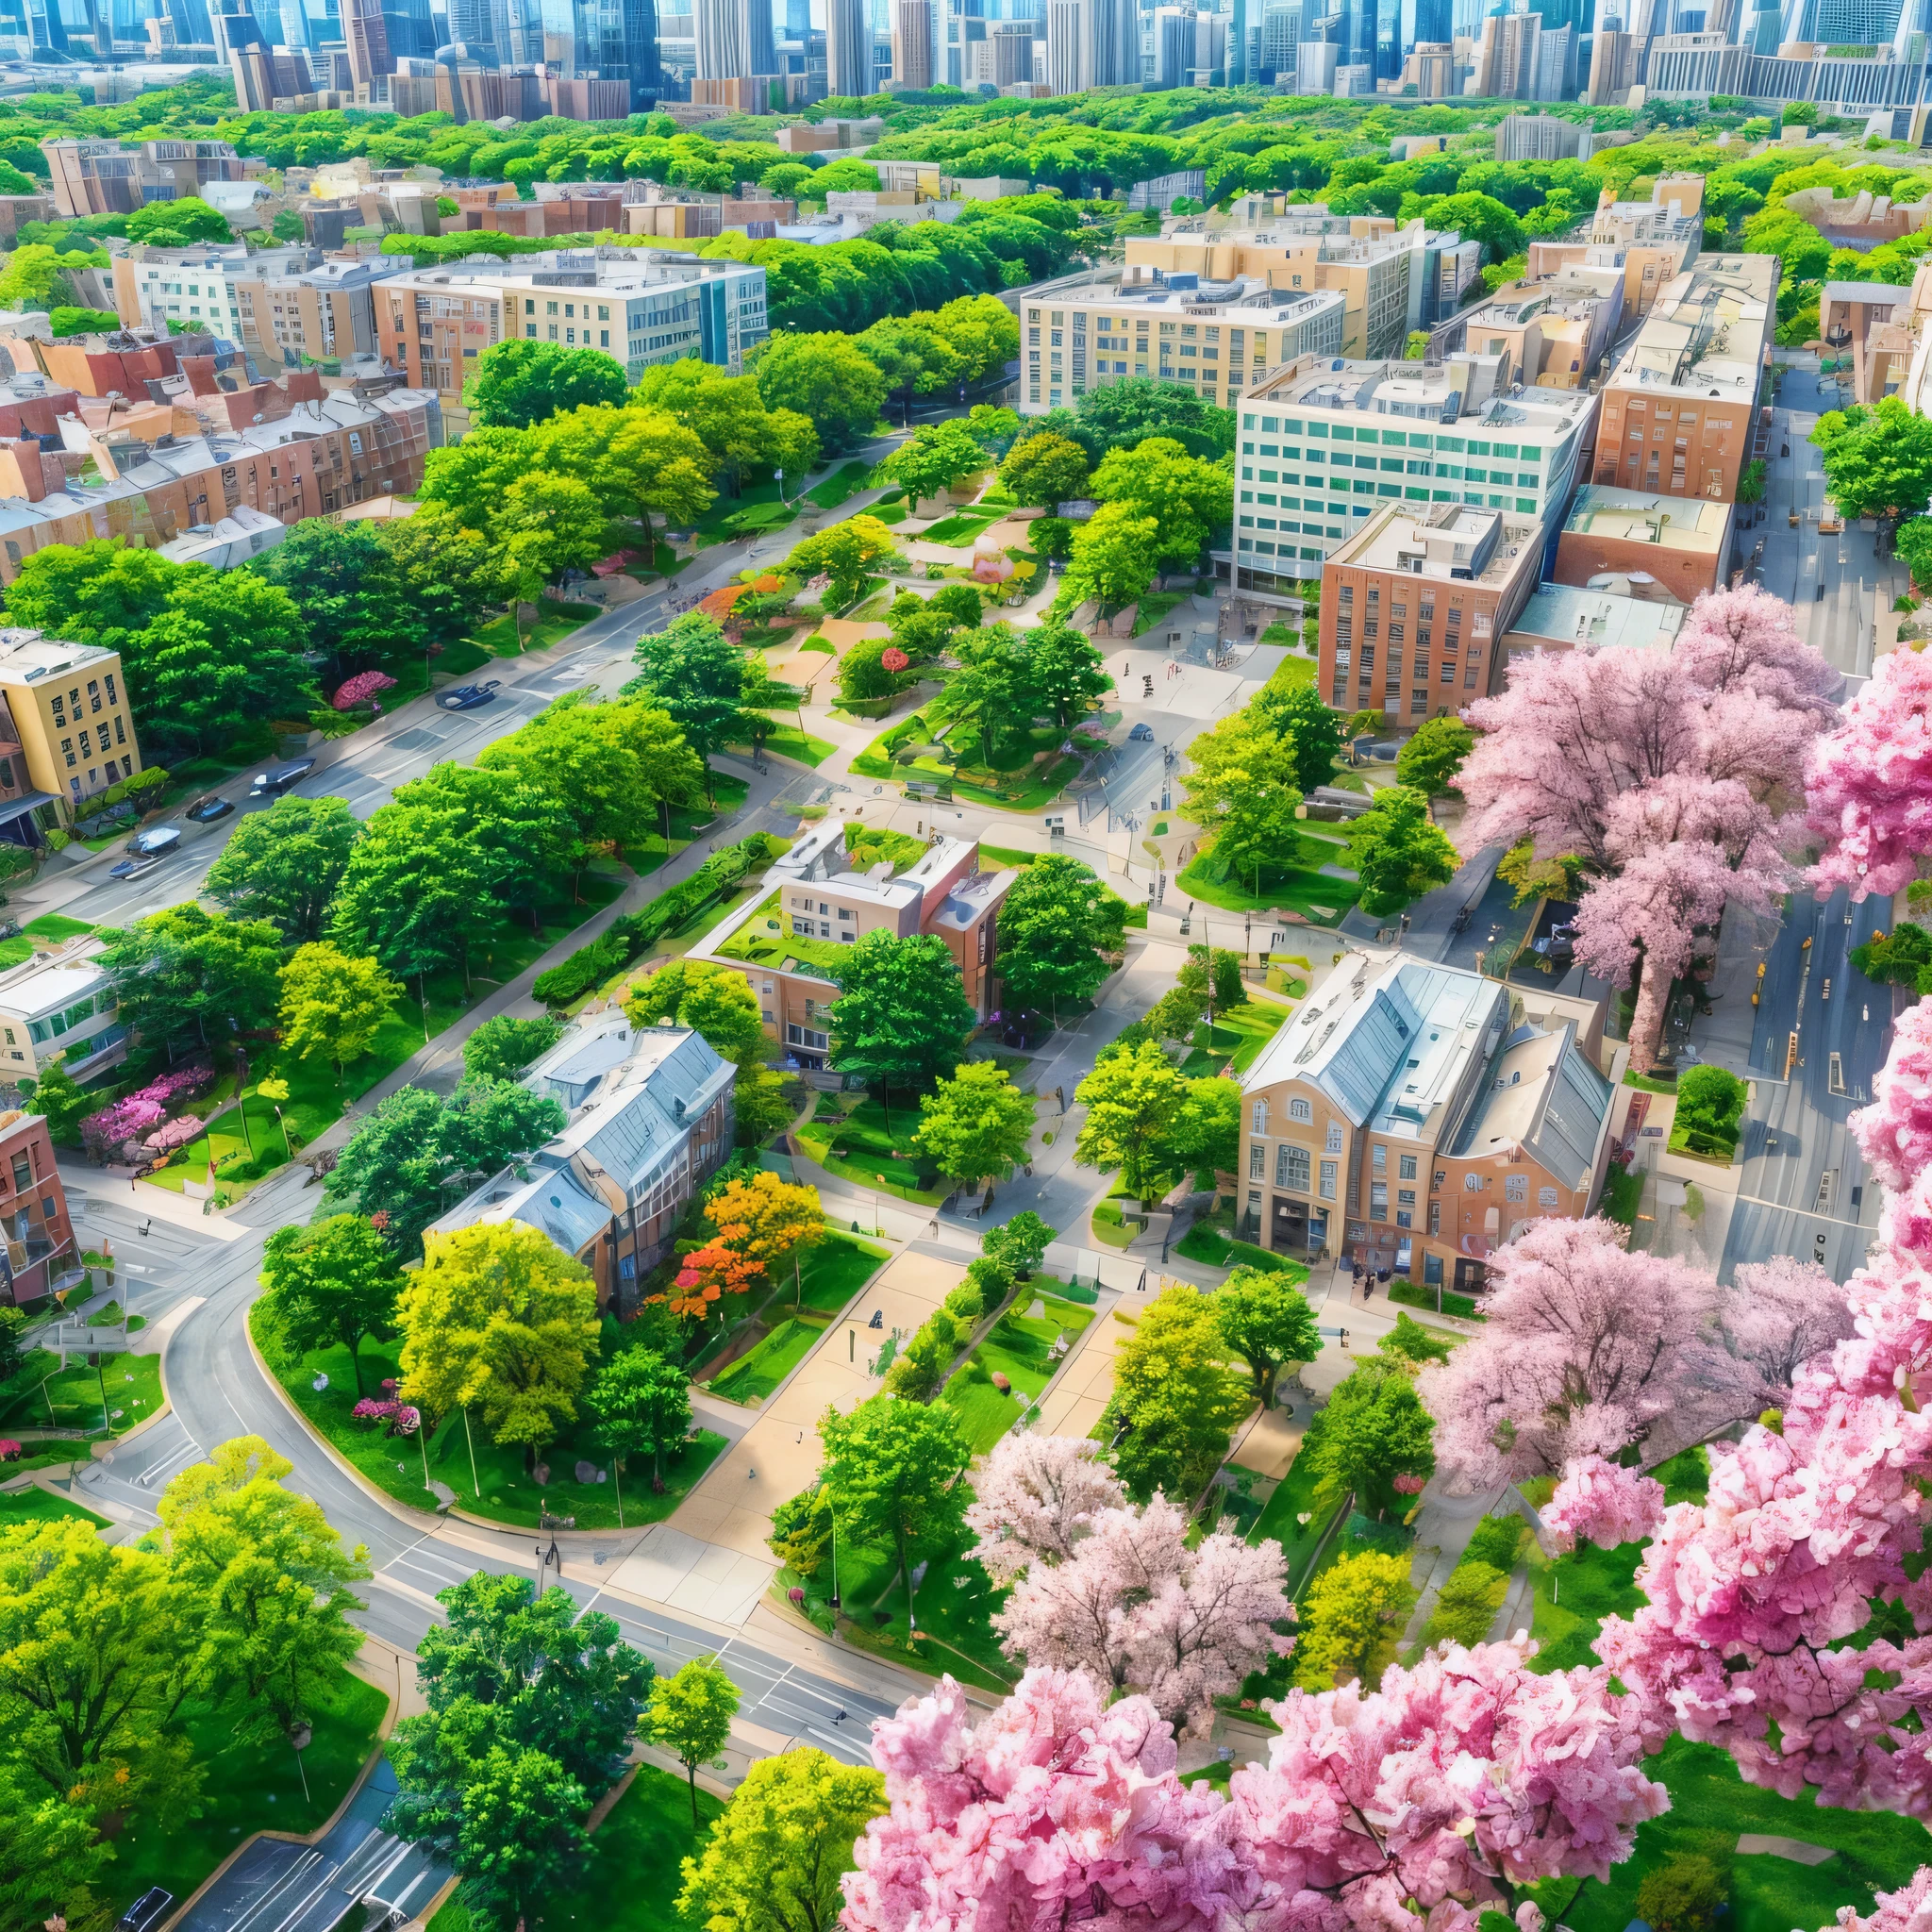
[1589,1349]
[1034,1496]
[1908,1910]
[1868,785]
[1603,1502]
[132,1118]
[894,658]
[1136,1606]
[1408,1485]
[360,689]
[10,1450]
[1894,1133]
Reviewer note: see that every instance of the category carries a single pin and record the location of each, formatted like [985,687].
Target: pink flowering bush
[1604,1502]
[131,1118]
[363,688]
[1867,787]
[177,1133]
[10,1450]
[402,1419]
[1408,1485]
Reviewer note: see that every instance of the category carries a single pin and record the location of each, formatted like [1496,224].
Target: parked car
[277,778]
[152,841]
[205,811]
[466,697]
[134,868]
[148,1910]
[1141,734]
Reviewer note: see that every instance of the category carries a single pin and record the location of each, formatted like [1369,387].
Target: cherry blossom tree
[1908,1910]
[1604,1502]
[1744,643]
[1448,1790]
[1589,1349]
[1138,1609]
[1034,1497]
[1869,784]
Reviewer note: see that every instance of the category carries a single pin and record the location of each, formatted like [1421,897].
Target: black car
[136,866]
[278,778]
[205,811]
[149,1909]
[466,697]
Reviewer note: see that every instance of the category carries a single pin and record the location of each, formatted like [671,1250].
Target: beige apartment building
[1414,1117]
[319,314]
[1413,605]
[1677,545]
[1678,414]
[1554,332]
[787,945]
[72,729]
[1306,251]
[1654,242]
[1216,340]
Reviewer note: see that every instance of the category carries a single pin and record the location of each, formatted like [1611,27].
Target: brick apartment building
[786,943]
[1414,606]
[1412,1117]
[36,1232]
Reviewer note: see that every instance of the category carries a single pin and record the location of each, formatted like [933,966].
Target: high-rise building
[368,36]
[1066,41]
[912,45]
[1012,51]
[734,38]
[848,48]
[1114,38]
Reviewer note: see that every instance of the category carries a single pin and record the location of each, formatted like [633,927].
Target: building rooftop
[28,656]
[1426,392]
[1704,335]
[40,986]
[1881,294]
[1562,614]
[1693,525]
[1447,542]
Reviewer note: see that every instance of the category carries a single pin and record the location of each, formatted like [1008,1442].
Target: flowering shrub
[894,658]
[360,690]
[177,1133]
[1410,1485]
[1604,1502]
[402,1419]
[132,1117]
[10,1450]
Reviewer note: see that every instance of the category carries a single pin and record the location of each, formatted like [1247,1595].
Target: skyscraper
[848,48]
[1066,45]
[912,45]
[734,38]
[1113,56]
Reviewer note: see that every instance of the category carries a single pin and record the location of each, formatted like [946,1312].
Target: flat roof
[28,656]
[48,989]
[1563,614]
[1398,529]
[1866,291]
[1693,525]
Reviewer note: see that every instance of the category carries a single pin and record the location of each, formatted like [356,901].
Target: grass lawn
[1412,1295]
[1017,1348]
[553,621]
[963,527]
[789,741]
[1213,1247]
[844,482]
[1623,1190]
[1294,1497]
[758,1371]
[869,1142]
[250,1788]
[316,1100]
[1318,898]
[507,1493]
[45,1452]
[1155,606]
[56,926]
[836,1269]
[1233,1042]
[70,1398]
[40,1506]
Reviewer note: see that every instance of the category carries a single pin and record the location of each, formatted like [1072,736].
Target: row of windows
[86,749]
[72,697]
[1412,439]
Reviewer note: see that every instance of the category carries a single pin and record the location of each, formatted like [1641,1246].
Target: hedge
[627,937]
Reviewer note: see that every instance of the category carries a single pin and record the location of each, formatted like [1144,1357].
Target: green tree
[188,975]
[1397,852]
[520,383]
[270,1581]
[1067,674]
[351,590]
[501,1048]
[550,523]
[449,570]
[1375,1429]
[1133,1101]
[901,1011]
[1268,1322]
[892,1469]
[728,415]
[642,1406]
[178,224]
[977,1124]
[826,379]
[1466,1605]
[934,457]
[1710,1100]
[1248,799]
[713,1001]
[1124,414]
[772,1862]
[52,1859]
[96,1651]
[1045,470]
[1429,760]
[334,1005]
[1352,1621]
[1059,929]
[1113,559]
[1174,1401]
[698,676]
[287,227]
[1877,459]
[845,554]
[59,1099]
[1188,500]
[691,1716]
[1207,1131]
[285,863]
[1915,549]
[334,1281]
[522,1837]
[1416,347]
[500,1317]
[1018,1245]
[914,359]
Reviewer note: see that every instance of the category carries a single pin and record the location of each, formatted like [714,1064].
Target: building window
[1300,1110]
[1515,1187]
[1546,1199]
[1292,1169]
[1328,1174]
[1471,1184]
[1259,1123]
[805,1037]
[1257,1161]
[1378,1160]
[1333,1143]
[1407,1166]
[1379,1200]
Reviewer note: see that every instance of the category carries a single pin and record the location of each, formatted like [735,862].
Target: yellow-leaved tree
[499,1319]
[767,1220]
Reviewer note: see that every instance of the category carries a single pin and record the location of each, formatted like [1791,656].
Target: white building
[55,1004]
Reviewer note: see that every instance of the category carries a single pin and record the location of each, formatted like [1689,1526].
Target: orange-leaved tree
[767,1220]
